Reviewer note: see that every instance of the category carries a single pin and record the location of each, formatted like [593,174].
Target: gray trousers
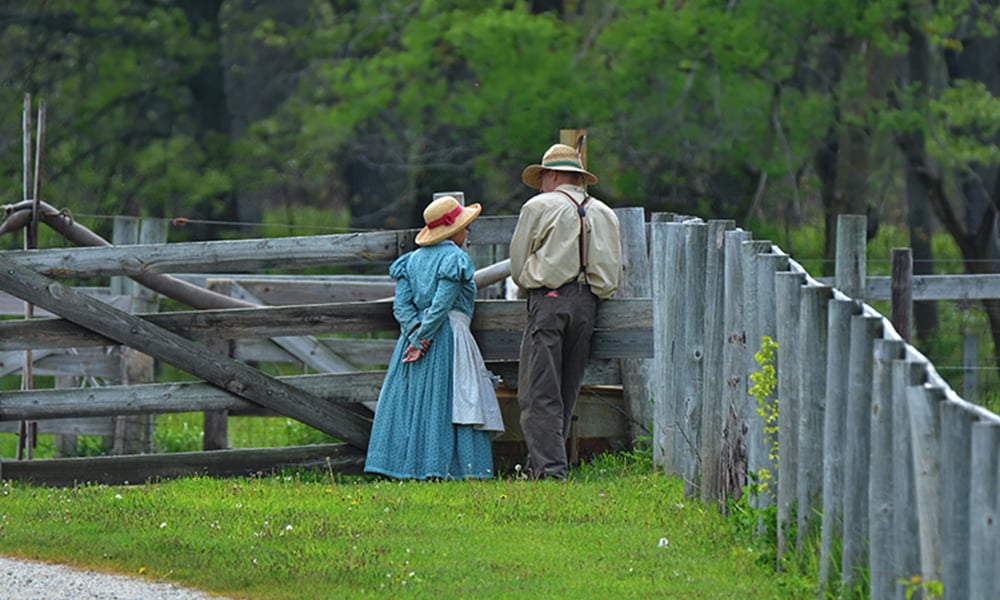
[554,352]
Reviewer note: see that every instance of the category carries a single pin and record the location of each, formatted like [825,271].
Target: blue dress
[413,436]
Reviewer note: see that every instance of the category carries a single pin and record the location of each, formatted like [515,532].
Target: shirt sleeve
[520,243]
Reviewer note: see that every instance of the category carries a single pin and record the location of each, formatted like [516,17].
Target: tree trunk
[976,232]
[916,70]
[210,108]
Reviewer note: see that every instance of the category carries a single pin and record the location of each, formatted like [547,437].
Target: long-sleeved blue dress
[413,436]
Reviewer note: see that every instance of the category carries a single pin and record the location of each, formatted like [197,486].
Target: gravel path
[28,580]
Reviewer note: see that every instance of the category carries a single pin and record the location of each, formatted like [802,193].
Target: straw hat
[444,218]
[559,157]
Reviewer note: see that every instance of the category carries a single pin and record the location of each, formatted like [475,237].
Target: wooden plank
[636,283]
[234,256]
[882,542]
[141,468]
[218,256]
[85,362]
[103,426]
[714,386]
[924,403]
[189,396]
[173,349]
[834,431]
[598,372]
[600,412]
[306,348]
[366,353]
[933,287]
[196,396]
[11,305]
[813,329]
[301,291]
[629,321]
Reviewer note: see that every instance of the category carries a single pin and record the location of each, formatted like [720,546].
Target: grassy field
[615,529]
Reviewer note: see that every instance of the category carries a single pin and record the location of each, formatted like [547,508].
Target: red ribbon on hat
[446,219]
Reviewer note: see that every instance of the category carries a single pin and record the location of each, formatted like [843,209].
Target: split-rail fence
[873,457]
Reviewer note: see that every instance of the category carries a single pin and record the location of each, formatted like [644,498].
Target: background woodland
[780,113]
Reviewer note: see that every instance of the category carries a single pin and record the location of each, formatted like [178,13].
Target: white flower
[288,527]
[663,543]
[163,525]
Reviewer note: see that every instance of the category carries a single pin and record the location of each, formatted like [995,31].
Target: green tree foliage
[130,126]
[215,109]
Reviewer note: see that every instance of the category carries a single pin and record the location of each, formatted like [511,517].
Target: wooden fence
[235,326]
[879,462]
[878,459]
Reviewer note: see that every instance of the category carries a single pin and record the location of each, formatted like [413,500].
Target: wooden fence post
[713,409]
[571,137]
[906,535]
[788,287]
[636,283]
[65,444]
[669,294]
[812,386]
[215,423]
[834,428]
[970,367]
[901,286]
[748,416]
[851,261]
[125,232]
[734,465]
[768,265]
[956,488]
[984,526]
[865,330]
[880,501]
[134,433]
[924,403]
[693,337]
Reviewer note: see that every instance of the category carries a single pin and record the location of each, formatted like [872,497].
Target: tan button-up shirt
[545,252]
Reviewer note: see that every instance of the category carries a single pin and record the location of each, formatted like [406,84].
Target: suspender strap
[580,212]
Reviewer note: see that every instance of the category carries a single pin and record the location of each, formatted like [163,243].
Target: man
[566,252]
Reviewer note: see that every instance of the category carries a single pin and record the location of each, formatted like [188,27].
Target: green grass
[315,535]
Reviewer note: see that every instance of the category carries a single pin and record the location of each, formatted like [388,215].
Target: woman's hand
[412,354]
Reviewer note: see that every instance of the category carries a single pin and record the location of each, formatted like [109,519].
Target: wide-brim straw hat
[444,218]
[559,157]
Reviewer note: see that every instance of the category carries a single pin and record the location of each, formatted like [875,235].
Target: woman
[437,410]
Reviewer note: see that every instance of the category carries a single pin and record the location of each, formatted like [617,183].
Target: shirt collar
[572,188]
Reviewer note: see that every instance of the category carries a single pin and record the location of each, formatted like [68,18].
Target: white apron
[475,398]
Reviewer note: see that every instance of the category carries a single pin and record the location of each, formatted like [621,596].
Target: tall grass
[614,529]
